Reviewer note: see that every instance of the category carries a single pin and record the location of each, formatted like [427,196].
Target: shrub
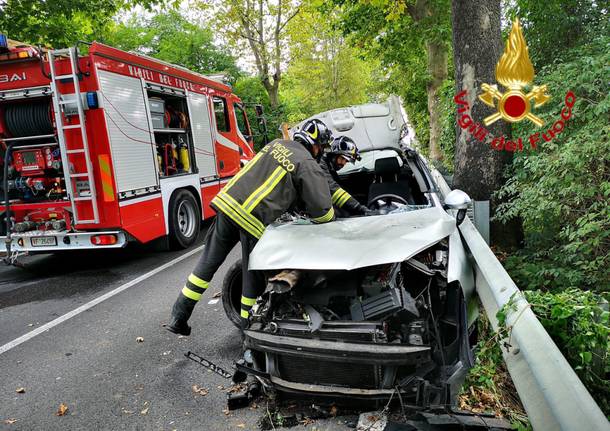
[561,191]
[578,323]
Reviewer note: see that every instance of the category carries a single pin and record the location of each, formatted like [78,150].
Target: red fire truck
[110,147]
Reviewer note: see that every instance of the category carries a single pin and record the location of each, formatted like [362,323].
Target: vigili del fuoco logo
[514,71]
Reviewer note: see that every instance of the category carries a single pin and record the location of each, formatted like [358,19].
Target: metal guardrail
[551,392]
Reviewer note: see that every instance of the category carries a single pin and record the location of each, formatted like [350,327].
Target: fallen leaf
[226,412]
[199,390]
[145,411]
[241,425]
[239,387]
[20,390]
[217,294]
[61,411]
[140,339]
[10,421]
[127,411]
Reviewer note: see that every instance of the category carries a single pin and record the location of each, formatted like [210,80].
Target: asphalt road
[92,362]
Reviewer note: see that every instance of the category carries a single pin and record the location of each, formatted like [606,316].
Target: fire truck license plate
[43,241]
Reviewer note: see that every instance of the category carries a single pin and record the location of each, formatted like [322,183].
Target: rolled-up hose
[29,119]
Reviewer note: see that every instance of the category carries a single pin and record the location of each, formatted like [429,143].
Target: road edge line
[28,336]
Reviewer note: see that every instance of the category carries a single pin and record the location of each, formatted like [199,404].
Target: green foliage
[488,386]
[578,323]
[324,73]
[561,192]
[60,23]
[387,33]
[171,37]
[553,27]
[251,91]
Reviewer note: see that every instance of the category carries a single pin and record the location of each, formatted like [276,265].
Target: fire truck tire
[184,220]
[231,293]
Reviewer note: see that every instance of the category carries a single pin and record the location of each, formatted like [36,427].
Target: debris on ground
[10,421]
[200,390]
[139,339]
[237,388]
[372,421]
[20,390]
[293,415]
[61,410]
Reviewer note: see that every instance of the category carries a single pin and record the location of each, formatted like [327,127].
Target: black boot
[181,312]
[245,323]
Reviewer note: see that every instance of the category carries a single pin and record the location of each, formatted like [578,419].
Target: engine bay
[400,324]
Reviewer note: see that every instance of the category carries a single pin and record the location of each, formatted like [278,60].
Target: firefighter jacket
[279,177]
[340,198]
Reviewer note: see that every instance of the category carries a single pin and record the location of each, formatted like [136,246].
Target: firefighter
[343,150]
[283,173]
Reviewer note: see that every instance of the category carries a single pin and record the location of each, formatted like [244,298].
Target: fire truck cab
[110,147]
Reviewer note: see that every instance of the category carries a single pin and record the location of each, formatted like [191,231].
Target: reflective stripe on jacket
[340,198]
[281,174]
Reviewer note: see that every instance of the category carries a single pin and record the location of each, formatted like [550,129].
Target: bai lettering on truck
[514,71]
[12,77]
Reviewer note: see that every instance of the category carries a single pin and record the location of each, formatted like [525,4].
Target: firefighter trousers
[220,239]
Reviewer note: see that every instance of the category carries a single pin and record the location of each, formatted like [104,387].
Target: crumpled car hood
[351,243]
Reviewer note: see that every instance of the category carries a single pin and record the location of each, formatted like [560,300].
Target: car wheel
[184,220]
[231,293]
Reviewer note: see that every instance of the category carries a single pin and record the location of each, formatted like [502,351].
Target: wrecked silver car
[371,306]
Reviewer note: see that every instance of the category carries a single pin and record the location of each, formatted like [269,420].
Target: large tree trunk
[272,91]
[437,67]
[477,47]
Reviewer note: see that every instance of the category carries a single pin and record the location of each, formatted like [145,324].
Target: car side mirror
[460,201]
[259,110]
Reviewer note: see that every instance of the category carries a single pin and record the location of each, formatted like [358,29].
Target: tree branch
[296,12]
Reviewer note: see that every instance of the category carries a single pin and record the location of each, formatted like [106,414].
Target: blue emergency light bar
[3,43]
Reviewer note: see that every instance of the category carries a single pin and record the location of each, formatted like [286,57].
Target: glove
[361,209]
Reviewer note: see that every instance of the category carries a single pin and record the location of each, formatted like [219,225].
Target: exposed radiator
[305,370]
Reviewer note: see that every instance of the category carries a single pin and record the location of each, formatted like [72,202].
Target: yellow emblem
[514,71]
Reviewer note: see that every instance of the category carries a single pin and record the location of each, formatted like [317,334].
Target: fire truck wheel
[231,293]
[184,220]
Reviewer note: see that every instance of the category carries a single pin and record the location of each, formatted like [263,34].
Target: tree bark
[272,91]
[437,67]
[477,47]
